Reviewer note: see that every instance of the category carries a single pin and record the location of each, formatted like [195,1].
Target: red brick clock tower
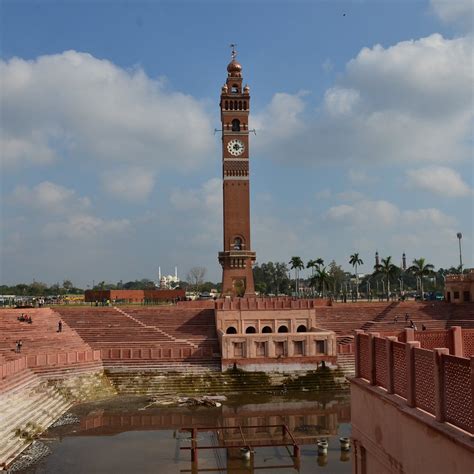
[237,257]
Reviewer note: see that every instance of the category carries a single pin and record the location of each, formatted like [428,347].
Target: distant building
[460,288]
[168,282]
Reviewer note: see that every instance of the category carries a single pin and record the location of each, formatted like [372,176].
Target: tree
[67,285]
[271,278]
[296,265]
[421,269]
[321,279]
[337,274]
[195,277]
[355,260]
[388,271]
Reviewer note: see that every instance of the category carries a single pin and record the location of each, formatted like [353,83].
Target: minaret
[237,257]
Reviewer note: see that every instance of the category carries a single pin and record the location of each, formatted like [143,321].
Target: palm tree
[388,270]
[421,269]
[296,265]
[355,260]
[314,264]
[320,279]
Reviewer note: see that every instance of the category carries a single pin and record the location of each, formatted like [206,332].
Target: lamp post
[459,236]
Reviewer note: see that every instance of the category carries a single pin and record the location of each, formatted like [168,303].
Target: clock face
[235,147]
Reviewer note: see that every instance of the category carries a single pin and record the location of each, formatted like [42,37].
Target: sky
[363,112]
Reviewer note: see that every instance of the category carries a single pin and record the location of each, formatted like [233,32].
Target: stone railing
[432,380]
[252,304]
[47,360]
[158,354]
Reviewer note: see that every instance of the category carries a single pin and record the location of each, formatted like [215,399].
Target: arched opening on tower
[231,330]
[282,329]
[266,329]
[236,125]
[238,244]
[301,328]
[234,89]
[250,330]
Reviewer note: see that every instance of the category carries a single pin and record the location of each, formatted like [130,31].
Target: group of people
[24,318]
[410,323]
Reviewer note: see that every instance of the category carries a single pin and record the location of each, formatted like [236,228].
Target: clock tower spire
[237,257]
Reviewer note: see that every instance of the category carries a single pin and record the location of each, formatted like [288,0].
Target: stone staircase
[346,363]
[153,382]
[26,411]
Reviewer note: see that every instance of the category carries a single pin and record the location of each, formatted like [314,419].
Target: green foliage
[271,278]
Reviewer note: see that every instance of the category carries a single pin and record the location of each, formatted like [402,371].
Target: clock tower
[237,257]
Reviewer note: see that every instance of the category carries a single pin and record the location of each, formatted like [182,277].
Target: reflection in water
[120,437]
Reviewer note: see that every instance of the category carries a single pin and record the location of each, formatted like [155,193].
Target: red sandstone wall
[133,295]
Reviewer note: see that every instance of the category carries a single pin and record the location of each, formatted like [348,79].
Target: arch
[283,329]
[231,105]
[235,105]
[236,125]
[301,328]
[234,88]
[266,329]
[250,330]
[231,330]
[238,243]
[240,105]
[226,105]
[245,105]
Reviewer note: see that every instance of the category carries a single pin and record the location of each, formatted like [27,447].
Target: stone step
[48,409]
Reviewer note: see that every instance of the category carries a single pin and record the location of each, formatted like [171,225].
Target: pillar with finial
[377,262]
[404,261]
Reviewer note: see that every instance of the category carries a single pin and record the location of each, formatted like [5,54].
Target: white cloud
[411,102]
[207,198]
[75,106]
[58,212]
[84,227]
[454,11]
[129,184]
[49,197]
[360,177]
[350,195]
[341,101]
[439,180]
[365,213]
[427,216]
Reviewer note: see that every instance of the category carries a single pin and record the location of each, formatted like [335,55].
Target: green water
[120,436]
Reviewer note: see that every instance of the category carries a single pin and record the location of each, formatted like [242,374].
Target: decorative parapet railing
[277,345]
[47,360]
[432,380]
[252,304]
[158,354]
[461,277]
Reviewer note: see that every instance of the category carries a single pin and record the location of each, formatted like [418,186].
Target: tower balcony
[236,258]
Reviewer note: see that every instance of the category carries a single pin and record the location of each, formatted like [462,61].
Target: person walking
[60,326]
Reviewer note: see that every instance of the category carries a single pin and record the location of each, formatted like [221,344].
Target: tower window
[236,125]
[226,106]
[234,89]
[245,105]
[237,243]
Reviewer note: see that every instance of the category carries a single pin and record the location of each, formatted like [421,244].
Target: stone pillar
[290,347]
[409,334]
[358,332]
[439,383]
[271,347]
[455,336]
[411,382]
[372,336]
[389,347]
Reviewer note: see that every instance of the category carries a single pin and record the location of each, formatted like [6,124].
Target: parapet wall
[433,380]
[249,304]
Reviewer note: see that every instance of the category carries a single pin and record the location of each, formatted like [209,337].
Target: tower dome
[234,68]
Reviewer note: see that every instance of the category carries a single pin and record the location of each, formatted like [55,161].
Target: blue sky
[363,112]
